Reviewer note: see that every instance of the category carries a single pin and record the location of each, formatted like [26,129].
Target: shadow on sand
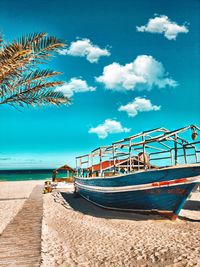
[192,205]
[81,205]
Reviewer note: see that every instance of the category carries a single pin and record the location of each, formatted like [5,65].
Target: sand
[77,233]
[12,198]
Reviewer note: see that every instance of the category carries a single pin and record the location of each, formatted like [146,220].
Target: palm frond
[27,41]
[12,59]
[36,75]
[1,39]
[44,48]
[29,50]
[31,92]
[38,98]
[18,83]
[13,52]
[21,81]
[52,98]
[37,86]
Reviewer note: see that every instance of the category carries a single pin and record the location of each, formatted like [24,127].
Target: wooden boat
[129,180]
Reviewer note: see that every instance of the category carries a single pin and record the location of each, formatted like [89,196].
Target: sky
[128,66]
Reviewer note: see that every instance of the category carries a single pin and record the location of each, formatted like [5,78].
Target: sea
[23,175]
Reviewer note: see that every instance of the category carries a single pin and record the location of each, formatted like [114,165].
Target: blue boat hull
[164,190]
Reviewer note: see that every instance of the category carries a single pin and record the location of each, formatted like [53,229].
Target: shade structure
[67,178]
[65,168]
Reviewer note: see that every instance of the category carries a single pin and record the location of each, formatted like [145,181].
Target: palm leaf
[1,39]
[38,98]
[44,48]
[36,75]
[25,79]
[29,93]
[12,59]
[21,81]
[28,40]
[48,98]
[28,50]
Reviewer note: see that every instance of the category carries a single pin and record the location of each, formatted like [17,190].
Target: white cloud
[163,25]
[108,127]
[85,48]
[138,105]
[143,73]
[75,85]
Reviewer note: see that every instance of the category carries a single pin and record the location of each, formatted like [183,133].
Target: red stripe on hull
[177,181]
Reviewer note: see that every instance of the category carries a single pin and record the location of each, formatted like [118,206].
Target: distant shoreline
[28,175]
[24,170]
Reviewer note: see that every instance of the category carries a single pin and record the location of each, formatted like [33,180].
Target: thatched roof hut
[65,168]
[69,173]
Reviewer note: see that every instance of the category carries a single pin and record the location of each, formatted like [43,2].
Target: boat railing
[185,155]
[163,149]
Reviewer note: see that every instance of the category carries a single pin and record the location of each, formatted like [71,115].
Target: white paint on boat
[129,188]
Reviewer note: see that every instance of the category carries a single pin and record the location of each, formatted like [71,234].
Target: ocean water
[22,175]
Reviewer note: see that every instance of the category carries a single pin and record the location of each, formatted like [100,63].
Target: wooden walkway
[20,242]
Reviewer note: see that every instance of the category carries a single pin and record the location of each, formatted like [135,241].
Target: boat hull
[164,190]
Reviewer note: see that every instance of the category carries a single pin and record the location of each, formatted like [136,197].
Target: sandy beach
[12,197]
[77,233]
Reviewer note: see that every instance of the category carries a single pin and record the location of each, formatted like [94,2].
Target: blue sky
[147,95]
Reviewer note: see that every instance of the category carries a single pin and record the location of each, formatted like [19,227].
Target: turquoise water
[22,175]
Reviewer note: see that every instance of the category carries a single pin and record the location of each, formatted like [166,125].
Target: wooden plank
[20,242]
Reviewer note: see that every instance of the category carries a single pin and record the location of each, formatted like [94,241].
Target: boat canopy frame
[154,143]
